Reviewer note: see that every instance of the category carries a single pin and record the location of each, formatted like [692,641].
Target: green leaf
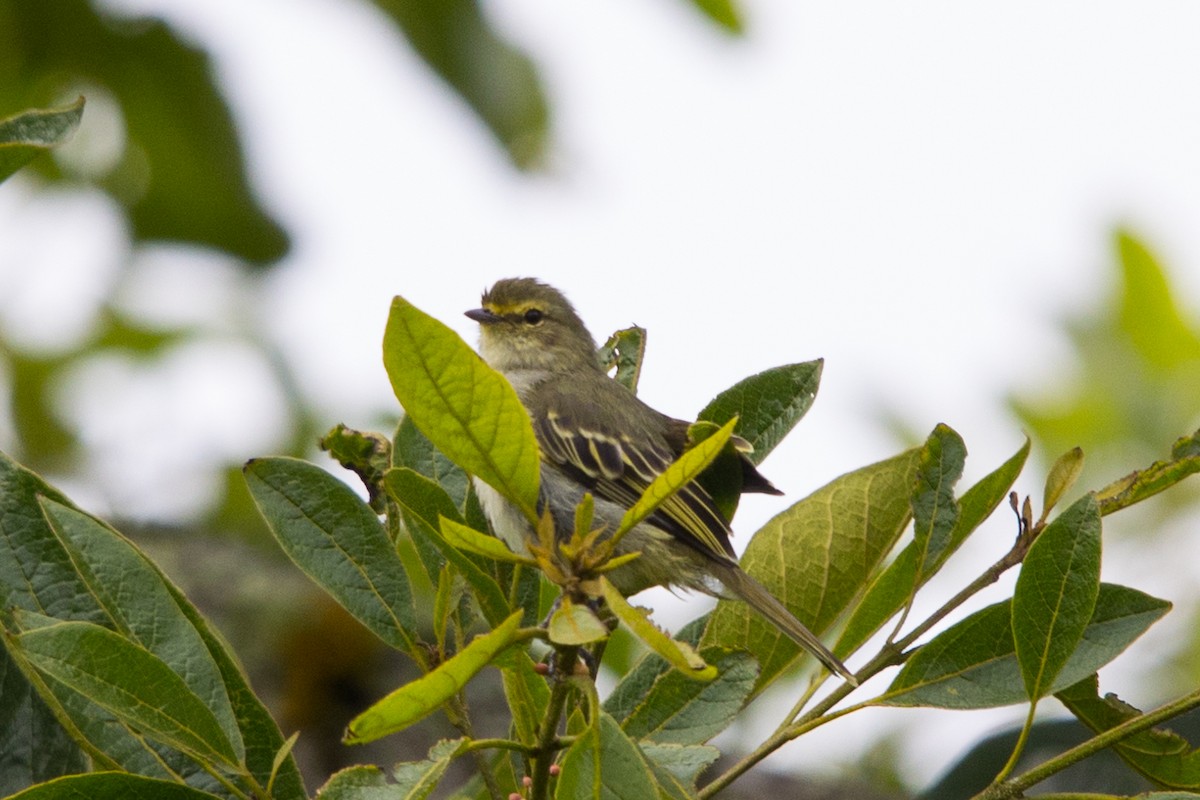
[1160,754]
[467,409]
[973,663]
[935,511]
[367,455]
[494,78]
[816,557]
[625,351]
[1160,475]
[130,682]
[637,679]
[468,539]
[425,504]
[416,779]
[767,405]
[526,691]
[683,471]
[679,711]
[412,449]
[1056,594]
[724,13]
[415,701]
[135,596]
[685,762]
[575,624]
[679,654]
[605,764]
[337,540]
[27,135]
[888,593]
[1061,478]
[111,786]
[359,782]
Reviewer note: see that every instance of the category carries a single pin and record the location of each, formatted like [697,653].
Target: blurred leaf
[625,351]
[135,597]
[681,655]
[337,540]
[1140,484]
[111,786]
[767,405]
[935,511]
[496,80]
[420,698]
[973,663]
[425,504]
[1138,370]
[130,682]
[1160,754]
[1056,594]
[604,764]
[888,593]
[831,542]
[27,135]
[182,176]
[467,409]
[723,12]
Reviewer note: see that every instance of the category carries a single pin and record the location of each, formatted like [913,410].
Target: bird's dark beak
[483,316]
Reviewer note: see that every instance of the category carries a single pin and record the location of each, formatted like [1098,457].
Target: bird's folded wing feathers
[617,469]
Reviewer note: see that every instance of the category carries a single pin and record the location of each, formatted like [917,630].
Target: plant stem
[548,743]
[1019,747]
[1015,787]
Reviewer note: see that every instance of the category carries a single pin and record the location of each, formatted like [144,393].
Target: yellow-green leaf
[1062,477]
[575,624]
[467,538]
[678,654]
[465,408]
[414,701]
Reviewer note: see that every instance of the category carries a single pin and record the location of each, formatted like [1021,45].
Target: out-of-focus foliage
[1138,381]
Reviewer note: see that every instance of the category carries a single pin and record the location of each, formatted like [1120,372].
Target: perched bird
[596,436]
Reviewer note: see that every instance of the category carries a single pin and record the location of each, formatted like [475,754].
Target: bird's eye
[534,316]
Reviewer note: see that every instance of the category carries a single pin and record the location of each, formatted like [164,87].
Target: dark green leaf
[27,135]
[1160,754]
[359,783]
[888,593]
[411,448]
[1056,594]
[935,511]
[130,682]
[527,692]
[831,543]
[35,746]
[182,175]
[973,664]
[685,762]
[496,80]
[338,541]
[416,779]
[767,405]
[111,786]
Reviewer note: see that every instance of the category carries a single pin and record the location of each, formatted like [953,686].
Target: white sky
[915,192]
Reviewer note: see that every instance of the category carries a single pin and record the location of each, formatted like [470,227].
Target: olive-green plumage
[596,436]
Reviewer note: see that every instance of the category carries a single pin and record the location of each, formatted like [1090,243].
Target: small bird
[597,436]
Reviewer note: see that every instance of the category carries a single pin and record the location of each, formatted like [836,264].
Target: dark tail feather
[756,595]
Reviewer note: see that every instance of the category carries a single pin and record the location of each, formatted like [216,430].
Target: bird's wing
[618,469]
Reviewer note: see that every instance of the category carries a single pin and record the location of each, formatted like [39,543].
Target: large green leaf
[182,175]
[681,655]
[467,409]
[767,405]
[816,557]
[412,449]
[973,664]
[1056,594]
[888,593]
[338,541]
[130,682]
[137,600]
[25,136]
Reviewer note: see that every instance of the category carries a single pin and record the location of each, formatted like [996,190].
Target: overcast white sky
[913,191]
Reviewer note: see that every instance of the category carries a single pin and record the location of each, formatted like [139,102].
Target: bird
[597,437]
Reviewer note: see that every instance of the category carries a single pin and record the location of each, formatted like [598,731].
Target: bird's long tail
[756,595]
